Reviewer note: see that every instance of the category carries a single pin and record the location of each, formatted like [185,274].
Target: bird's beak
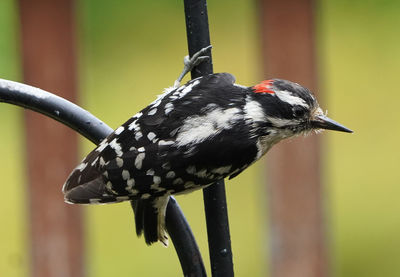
[324,122]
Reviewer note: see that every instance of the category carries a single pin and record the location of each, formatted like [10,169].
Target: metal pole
[297,236]
[214,196]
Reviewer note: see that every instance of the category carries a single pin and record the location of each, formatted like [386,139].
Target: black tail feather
[146,218]
[137,210]
[150,219]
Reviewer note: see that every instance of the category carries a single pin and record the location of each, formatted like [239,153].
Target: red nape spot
[264,87]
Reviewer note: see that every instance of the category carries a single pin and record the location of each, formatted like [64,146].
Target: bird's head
[292,109]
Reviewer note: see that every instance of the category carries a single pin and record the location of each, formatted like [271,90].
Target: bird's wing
[179,142]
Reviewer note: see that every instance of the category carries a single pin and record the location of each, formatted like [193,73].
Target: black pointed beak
[324,122]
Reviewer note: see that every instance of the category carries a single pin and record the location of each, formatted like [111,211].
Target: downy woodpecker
[190,137]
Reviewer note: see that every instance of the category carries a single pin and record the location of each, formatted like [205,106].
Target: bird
[190,137]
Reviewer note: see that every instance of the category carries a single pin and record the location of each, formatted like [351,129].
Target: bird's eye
[298,111]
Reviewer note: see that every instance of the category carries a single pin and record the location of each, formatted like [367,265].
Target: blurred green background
[130,50]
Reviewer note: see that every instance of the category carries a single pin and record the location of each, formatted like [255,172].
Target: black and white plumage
[190,137]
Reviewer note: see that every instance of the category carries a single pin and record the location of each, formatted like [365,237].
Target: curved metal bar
[95,130]
[55,107]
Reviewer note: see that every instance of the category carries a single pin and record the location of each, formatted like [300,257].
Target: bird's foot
[191,62]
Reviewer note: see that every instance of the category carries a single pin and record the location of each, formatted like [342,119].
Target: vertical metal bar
[49,61]
[298,242]
[214,196]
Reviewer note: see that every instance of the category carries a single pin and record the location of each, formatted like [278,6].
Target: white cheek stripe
[287,97]
[279,122]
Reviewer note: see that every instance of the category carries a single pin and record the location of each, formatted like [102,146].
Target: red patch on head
[264,87]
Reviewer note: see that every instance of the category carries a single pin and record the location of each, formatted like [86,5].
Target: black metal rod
[95,130]
[187,249]
[55,107]
[219,241]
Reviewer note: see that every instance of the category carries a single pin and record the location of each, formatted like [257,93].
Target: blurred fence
[297,231]
[49,61]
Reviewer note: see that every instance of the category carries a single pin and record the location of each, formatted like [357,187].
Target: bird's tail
[150,219]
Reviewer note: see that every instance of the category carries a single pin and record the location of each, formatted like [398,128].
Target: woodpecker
[190,137]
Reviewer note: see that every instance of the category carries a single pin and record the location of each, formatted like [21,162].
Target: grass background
[131,50]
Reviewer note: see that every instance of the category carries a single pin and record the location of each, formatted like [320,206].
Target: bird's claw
[191,62]
[197,58]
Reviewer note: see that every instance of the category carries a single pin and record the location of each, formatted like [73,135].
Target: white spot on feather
[150,172]
[183,90]
[222,170]
[170,175]
[178,181]
[134,192]
[102,161]
[165,142]
[202,173]
[94,161]
[138,135]
[81,167]
[119,130]
[130,182]
[166,166]
[191,169]
[152,111]
[168,108]
[133,125]
[139,160]
[189,184]
[129,186]
[138,115]
[156,180]
[116,146]
[146,196]
[125,174]
[188,88]
[122,198]
[156,187]
[102,145]
[109,187]
[151,136]
[119,161]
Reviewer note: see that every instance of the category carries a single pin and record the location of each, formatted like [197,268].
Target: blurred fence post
[49,61]
[297,231]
